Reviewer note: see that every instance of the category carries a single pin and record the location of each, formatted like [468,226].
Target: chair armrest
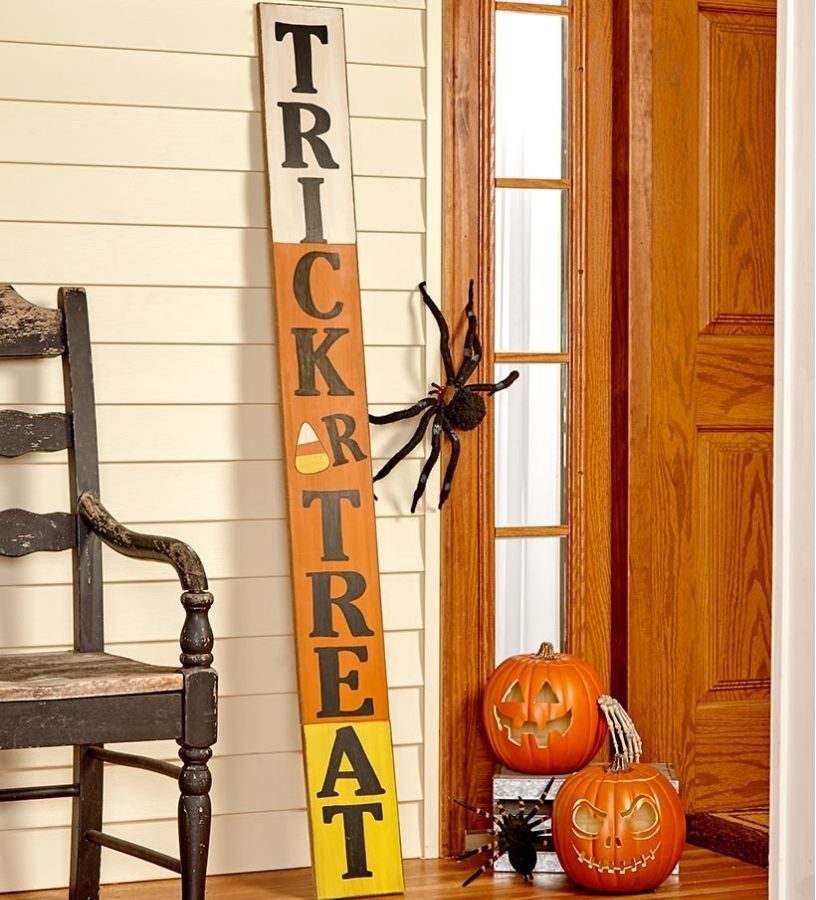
[179,555]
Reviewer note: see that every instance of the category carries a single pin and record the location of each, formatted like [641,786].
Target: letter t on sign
[347,744]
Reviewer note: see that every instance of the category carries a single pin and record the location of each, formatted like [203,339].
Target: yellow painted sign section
[353,814]
[353,808]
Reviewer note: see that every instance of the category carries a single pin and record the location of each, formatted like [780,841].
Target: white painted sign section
[323,155]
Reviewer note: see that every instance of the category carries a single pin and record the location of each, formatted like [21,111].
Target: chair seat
[52,676]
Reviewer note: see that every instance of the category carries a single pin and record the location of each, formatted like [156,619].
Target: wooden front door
[700,391]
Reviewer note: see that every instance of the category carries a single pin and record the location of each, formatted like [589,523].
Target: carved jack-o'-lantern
[618,829]
[540,712]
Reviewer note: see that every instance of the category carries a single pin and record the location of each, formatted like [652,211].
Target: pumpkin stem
[619,764]
[546,651]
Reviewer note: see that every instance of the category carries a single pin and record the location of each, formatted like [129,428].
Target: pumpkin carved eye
[547,694]
[513,694]
[588,819]
[642,817]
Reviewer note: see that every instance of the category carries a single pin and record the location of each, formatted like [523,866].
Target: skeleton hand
[626,741]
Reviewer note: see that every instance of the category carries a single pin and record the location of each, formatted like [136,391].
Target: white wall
[131,162]
[792,706]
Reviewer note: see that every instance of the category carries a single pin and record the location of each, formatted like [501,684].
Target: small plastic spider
[516,834]
[456,405]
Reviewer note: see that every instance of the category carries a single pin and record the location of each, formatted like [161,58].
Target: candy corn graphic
[310,455]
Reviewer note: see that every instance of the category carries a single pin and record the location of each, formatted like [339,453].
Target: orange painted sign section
[335,576]
[351,789]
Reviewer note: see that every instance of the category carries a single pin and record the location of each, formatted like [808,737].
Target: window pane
[531,284]
[530,443]
[530,587]
[530,87]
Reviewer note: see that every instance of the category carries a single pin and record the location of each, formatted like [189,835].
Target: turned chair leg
[86,816]
[194,820]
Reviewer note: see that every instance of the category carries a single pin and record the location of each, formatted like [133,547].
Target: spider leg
[436,442]
[447,481]
[473,346]
[483,849]
[474,809]
[540,802]
[498,386]
[400,455]
[444,333]
[400,414]
[480,871]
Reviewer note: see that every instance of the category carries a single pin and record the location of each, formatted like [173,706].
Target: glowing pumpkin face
[618,830]
[540,713]
[540,718]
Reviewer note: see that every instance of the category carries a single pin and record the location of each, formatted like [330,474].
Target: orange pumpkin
[618,829]
[541,714]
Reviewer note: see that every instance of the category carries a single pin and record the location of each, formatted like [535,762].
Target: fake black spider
[456,405]
[515,834]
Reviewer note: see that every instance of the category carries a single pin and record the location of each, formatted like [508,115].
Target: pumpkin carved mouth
[638,862]
[541,734]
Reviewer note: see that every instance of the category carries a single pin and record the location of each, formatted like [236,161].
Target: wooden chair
[86,697]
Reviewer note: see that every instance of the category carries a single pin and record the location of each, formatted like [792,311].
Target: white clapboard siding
[41,615]
[205,315]
[232,549]
[49,73]
[180,374]
[134,433]
[96,195]
[386,92]
[158,254]
[141,492]
[115,136]
[374,32]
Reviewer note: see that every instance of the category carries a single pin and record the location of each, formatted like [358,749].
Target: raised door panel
[737,61]
[735,564]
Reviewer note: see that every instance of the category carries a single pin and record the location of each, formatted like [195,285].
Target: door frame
[467,620]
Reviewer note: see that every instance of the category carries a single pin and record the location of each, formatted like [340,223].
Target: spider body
[456,405]
[521,845]
[465,409]
[516,834]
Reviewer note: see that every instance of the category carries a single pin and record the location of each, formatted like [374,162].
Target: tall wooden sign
[335,575]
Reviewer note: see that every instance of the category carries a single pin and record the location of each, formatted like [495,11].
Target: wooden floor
[704,875]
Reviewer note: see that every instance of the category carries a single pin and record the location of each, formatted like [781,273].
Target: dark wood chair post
[199,734]
[86,858]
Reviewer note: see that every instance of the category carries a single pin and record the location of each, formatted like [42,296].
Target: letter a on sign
[335,576]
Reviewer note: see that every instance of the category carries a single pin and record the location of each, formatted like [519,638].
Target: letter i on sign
[347,744]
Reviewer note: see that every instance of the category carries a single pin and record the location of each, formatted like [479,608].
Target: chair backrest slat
[22,432]
[29,330]
[23,532]
[26,329]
